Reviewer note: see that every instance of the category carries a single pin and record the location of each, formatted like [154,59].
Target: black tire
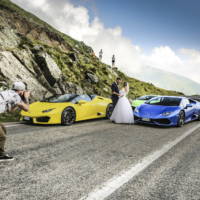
[109,111]
[181,119]
[198,116]
[68,116]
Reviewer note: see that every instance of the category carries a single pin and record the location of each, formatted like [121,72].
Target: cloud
[191,63]
[38,3]
[185,62]
[75,21]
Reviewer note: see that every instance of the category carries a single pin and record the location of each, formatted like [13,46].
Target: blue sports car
[168,111]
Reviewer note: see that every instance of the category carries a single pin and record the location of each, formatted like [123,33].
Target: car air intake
[162,121]
[43,119]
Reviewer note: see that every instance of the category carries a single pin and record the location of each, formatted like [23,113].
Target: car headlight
[136,110]
[48,110]
[166,113]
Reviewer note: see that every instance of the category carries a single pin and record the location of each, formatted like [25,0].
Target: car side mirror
[82,102]
[189,106]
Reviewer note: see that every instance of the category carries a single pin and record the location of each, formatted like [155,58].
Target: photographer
[9,101]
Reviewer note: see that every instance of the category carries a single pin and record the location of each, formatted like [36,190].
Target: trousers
[2,139]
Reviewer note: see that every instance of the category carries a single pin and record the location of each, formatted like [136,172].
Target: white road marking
[117,181]
[12,125]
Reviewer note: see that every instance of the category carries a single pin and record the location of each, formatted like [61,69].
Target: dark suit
[114,97]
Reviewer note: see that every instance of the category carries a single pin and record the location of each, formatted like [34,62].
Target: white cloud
[75,21]
[38,3]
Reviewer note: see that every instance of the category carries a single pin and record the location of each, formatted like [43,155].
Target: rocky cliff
[50,62]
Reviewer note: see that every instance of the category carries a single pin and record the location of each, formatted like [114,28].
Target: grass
[9,117]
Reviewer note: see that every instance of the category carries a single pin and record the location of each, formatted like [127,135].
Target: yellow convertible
[67,109]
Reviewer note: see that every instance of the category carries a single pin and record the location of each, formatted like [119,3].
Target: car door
[195,110]
[98,107]
[189,111]
[83,107]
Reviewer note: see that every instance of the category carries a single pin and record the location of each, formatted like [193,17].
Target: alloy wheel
[68,116]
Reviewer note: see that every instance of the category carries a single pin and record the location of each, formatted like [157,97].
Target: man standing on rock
[9,100]
[113,61]
[115,91]
[100,54]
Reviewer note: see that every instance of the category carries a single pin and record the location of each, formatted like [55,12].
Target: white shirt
[8,100]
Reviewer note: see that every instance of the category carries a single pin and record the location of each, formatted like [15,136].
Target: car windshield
[62,98]
[165,101]
[145,97]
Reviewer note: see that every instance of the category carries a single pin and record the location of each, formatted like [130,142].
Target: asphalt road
[69,163]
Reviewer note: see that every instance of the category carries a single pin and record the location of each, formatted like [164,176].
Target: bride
[123,112]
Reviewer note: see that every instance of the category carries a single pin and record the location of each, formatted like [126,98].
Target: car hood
[147,110]
[38,107]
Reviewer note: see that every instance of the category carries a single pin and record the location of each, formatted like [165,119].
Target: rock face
[12,69]
[50,62]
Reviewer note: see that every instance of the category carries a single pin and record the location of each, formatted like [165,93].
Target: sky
[163,34]
[151,23]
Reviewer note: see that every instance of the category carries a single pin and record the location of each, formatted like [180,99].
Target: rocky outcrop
[12,70]
[92,78]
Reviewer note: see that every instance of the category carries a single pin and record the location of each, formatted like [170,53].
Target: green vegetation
[9,117]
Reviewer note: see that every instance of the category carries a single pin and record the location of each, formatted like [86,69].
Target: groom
[115,91]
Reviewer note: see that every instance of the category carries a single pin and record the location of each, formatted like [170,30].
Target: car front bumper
[42,119]
[162,121]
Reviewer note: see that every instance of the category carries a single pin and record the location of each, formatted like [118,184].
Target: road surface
[101,160]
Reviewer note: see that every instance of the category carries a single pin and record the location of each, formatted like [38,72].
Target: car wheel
[68,116]
[109,111]
[181,119]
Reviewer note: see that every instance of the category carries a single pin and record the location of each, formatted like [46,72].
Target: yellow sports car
[68,108]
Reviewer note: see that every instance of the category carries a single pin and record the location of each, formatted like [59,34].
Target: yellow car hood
[36,108]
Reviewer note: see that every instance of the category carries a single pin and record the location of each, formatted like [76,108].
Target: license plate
[146,119]
[27,118]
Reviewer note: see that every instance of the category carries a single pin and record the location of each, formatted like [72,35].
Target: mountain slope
[50,62]
[168,80]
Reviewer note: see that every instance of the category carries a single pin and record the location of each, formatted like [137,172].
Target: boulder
[91,77]
[48,71]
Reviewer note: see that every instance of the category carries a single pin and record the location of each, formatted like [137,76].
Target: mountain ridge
[167,80]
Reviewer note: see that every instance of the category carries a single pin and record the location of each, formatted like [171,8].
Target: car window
[93,96]
[165,101]
[145,97]
[142,98]
[192,101]
[81,97]
[184,103]
[156,101]
[61,98]
[150,97]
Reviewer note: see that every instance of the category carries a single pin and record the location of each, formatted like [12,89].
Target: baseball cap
[18,85]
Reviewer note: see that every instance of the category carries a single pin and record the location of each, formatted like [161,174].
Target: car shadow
[155,126]
[162,127]
[60,125]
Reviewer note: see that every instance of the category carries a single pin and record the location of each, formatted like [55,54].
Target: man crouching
[9,100]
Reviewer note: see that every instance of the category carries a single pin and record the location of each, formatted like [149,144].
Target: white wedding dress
[123,112]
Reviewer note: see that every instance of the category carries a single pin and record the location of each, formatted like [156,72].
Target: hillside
[51,62]
[168,80]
